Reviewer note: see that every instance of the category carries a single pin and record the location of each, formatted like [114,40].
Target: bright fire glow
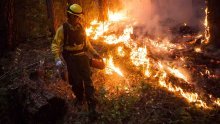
[177,73]
[139,56]
[114,32]
[121,51]
[217,102]
[198,49]
[207,30]
[110,67]
[190,97]
[117,16]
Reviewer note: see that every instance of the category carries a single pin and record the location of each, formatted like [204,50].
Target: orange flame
[207,30]
[139,55]
[121,51]
[177,73]
[110,67]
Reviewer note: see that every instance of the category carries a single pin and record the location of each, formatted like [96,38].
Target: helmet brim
[78,15]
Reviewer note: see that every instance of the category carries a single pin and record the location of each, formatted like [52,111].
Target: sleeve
[57,43]
[90,47]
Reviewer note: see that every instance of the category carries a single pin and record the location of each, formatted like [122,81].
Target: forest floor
[144,102]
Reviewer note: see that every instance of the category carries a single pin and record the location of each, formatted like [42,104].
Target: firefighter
[70,42]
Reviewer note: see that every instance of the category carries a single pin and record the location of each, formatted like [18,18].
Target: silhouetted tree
[214,21]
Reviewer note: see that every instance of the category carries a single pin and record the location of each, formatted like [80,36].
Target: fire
[164,46]
[121,51]
[139,56]
[217,102]
[207,30]
[147,71]
[115,17]
[117,31]
[198,49]
[110,67]
[97,29]
[177,73]
[190,97]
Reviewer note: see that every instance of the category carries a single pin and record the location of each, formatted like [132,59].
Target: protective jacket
[71,38]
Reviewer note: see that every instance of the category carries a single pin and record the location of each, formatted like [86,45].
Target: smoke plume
[159,15]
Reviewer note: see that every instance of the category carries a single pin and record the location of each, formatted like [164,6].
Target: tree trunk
[214,22]
[6,25]
[50,13]
[3,27]
[10,25]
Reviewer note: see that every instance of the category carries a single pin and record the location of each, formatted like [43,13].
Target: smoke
[159,15]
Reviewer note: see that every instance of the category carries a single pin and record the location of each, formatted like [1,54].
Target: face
[74,19]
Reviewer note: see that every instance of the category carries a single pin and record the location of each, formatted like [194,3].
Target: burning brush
[151,58]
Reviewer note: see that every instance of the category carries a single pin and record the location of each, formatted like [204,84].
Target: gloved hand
[97,56]
[59,63]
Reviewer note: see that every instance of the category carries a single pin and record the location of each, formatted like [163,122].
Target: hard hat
[75,9]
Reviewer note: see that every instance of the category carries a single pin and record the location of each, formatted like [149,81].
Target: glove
[97,56]
[59,63]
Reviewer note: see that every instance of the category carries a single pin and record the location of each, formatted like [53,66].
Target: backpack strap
[66,29]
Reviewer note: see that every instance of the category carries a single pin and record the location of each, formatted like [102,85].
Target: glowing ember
[198,49]
[217,102]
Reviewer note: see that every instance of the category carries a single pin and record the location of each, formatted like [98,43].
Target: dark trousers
[79,73]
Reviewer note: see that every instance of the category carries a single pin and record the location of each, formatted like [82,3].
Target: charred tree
[50,14]
[3,27]
[214,22]
[6,25]
[10,20]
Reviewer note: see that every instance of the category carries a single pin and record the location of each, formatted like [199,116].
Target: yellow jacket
[57,45]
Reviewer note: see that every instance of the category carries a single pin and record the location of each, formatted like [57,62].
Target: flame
[108,32]
[139,56]
[147,70]
[164,46]
[177,73]
[207,29]
[198,49]
[110,67]
[217,101]
[190,97]
[97,29]
[117,16]
[121,51]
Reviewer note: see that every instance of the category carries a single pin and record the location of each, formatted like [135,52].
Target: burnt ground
[146,103]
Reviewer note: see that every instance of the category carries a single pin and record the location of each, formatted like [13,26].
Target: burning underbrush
[132,57]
